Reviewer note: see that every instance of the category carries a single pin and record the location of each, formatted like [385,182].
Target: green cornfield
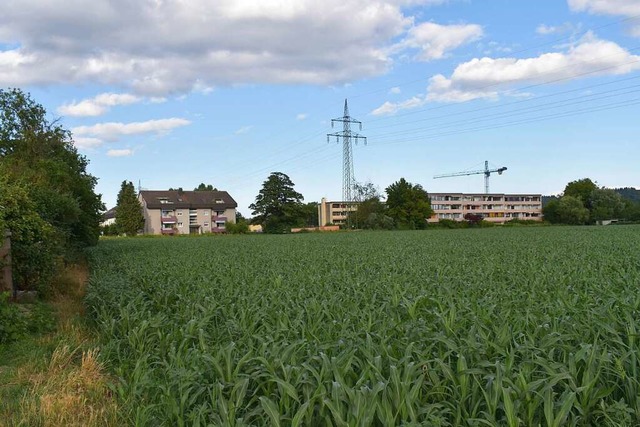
[477,327]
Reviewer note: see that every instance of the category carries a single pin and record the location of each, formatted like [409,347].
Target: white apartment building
[498,208]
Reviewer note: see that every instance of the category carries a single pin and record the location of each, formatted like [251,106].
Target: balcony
[218,229]
[219,218]
[169,231]
[169,219]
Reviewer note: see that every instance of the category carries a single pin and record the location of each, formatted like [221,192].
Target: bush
[518,222]
[240,227]
[35,244]
[13,324]
[450,223]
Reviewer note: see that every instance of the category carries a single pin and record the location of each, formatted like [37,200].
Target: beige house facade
[334,212]
[497,208]
[187,212]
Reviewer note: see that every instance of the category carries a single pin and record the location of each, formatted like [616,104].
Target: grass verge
[54,378]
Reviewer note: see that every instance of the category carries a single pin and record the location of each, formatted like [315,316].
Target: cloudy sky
[172,93]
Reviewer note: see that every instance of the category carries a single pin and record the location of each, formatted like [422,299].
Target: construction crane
[486,172]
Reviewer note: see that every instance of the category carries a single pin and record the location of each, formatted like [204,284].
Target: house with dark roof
[186,212]
[108,218]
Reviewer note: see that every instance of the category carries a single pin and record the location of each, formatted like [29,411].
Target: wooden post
[6,281]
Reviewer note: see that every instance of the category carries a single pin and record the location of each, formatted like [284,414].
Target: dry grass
[67,386]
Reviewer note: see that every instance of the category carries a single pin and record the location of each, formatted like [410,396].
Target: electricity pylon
[347,155]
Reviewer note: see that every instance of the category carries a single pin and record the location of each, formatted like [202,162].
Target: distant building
[334,213]
[108,218]
[187,212]
[498,208]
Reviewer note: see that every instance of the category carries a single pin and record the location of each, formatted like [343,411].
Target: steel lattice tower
[347,154]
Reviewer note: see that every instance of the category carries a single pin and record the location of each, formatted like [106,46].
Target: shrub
[13,324]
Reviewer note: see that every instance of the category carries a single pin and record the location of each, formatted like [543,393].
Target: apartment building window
[179,213]
[206,224]
[219,201]
[180,224]
[206,213]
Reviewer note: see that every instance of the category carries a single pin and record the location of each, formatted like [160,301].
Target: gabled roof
[165,199]
[111,213]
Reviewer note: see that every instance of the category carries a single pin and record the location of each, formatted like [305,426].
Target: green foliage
[129,218]
[550,211]
[599,204]
[239,227]
[109,229]
[515,222]
[571,210]
[605,204]
[629,193]
[309,214]
[408,205]
[580,189]
[58,211]
[205,187]
[16,321]
[508,326]
[449,223]
[372,214]
[631,211]
[13,324]
[278,207]
[36,246]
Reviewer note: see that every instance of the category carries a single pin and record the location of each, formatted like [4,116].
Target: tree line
[278,207]
[583,202]
[47,198]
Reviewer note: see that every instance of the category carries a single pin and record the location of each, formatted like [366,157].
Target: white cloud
[243,130]
[629,8]
[98,105]
[393,107]
[302,116]
[120,153]
[609,7]
[482,78]
[434,41]
[491,77]
[394,90]
[112,131]
[567,27]
[171,47]
[83,142]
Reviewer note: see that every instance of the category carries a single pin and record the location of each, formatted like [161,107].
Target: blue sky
[173,93]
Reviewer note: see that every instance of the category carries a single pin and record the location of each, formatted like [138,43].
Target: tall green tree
[371,213]
[278,207]
[605,203]
[41,154]
[129,218]
[571,210]
[581,189]
[310,214]
[40,166]
[408,204]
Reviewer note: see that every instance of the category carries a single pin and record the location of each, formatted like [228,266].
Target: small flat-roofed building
[334,213]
